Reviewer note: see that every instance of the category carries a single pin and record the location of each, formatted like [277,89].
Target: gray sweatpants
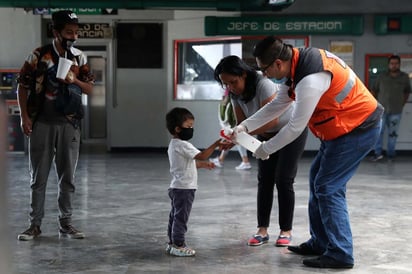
[59,142]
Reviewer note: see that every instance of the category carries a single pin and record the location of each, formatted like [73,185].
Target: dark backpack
[69,101]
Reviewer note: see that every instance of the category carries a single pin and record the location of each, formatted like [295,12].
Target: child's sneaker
[183,251]
[168,248]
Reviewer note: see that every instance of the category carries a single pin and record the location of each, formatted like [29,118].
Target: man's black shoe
[303,249]
[325,262]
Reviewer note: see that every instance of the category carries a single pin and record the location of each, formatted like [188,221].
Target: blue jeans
[390,122]
[333,166]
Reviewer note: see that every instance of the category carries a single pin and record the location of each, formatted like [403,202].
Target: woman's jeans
[279,169]
[390,124]
[333,166]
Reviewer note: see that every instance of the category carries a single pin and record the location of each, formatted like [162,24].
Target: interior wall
[348,7]
[145,95]
[136,120]
[206,120]
[20,34]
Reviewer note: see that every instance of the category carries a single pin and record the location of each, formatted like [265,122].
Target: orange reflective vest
[345,105]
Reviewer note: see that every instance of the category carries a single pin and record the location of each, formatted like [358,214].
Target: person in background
[51,119]
[343,114]
[227,120]
[392,89]
[250,91]
[184,160]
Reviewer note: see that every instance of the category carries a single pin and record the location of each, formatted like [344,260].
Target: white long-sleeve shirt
[307,95]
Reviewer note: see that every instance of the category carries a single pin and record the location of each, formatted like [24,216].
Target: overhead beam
[227,5]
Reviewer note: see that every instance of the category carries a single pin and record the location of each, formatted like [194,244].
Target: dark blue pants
[390,125]
[279,169]
[181,201]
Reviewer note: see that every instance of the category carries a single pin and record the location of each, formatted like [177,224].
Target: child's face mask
[185,133]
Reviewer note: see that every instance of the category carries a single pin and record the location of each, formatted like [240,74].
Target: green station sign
[284,25]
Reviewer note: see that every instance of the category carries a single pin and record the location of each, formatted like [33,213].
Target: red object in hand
[222,134]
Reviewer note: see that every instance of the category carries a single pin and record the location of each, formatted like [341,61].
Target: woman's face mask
[279,81]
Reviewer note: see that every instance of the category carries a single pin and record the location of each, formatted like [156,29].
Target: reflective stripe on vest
[347,88]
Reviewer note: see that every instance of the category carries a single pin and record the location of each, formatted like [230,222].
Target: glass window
[196,59]
[139,45]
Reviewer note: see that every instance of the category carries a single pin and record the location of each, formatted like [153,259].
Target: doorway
[94,124]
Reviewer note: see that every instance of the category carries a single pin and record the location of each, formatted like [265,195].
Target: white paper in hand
[247,141]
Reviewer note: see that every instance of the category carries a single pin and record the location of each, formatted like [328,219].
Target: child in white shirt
[184,159]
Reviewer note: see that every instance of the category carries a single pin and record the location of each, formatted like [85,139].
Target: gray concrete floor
[121,204]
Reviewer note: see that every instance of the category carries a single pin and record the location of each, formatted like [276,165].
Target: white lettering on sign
[91,34]
[314,26]
[320,26]
[271,26]
[242,26]
[84,10]
[93,30]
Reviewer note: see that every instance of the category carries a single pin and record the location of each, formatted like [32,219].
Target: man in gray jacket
[392,90]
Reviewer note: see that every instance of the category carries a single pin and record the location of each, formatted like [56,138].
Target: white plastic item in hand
[226,132]
[63,68]
[247,141]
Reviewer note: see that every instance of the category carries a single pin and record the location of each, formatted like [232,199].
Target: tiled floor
[121,204]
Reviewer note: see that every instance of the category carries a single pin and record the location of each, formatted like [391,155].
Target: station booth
[8,94]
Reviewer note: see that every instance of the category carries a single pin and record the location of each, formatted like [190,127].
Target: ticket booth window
[8,96]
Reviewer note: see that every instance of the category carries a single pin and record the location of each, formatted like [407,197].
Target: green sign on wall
[284,25]
[393,24]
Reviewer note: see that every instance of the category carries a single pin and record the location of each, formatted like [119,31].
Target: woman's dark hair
[176,117]
[271,48]
[233,65]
